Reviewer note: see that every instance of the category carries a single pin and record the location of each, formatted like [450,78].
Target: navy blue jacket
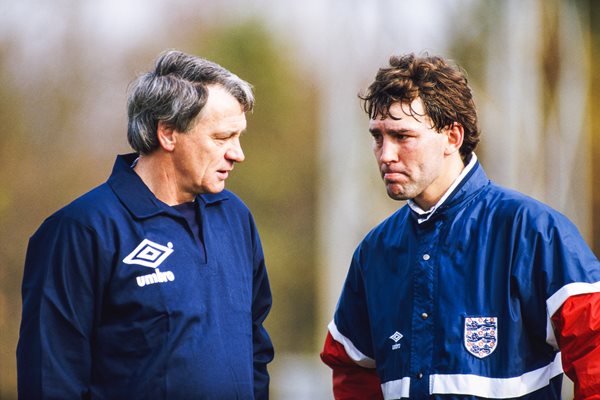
[459,306]
[119,301]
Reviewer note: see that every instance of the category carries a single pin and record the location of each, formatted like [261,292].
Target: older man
[153,285]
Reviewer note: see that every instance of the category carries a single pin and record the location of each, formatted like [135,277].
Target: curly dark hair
[443,89]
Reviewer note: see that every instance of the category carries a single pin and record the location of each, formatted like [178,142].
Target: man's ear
[455,134]
[166,136]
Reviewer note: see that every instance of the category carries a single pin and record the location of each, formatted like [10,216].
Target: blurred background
[309,176]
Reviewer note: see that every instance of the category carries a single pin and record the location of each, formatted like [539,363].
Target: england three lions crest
[481,335]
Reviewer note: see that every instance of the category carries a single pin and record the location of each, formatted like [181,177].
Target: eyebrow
[229,133]
[393,131]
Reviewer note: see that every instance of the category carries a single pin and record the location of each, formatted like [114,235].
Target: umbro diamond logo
[396,338]
[149,254]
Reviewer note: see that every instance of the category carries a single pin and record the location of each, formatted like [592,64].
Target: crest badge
[481,335]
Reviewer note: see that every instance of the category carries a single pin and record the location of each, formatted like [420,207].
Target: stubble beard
[400,192]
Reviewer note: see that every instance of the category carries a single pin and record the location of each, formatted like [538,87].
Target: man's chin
[397,195]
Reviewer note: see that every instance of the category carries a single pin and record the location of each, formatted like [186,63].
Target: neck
[157,172]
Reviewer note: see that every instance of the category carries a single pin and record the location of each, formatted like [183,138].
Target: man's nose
[388,151]
[235,152]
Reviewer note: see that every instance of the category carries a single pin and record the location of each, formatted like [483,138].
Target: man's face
[204,156]
[410,154]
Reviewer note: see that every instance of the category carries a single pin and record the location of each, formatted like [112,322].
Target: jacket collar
[212,198]
[475,180]
[137,197]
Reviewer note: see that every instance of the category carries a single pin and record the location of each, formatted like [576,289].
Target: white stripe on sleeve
[558,299]
[351,350]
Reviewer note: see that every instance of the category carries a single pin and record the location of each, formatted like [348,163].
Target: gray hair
[175,93]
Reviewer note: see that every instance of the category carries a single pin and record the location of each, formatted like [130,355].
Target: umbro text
[156,277]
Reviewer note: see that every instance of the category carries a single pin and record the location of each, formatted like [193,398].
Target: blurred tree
[41,169]
[594,116]
[544,133]
[11,160]
[278,178]
[468,46]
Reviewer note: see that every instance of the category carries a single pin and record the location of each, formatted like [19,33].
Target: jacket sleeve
[350,381]
[348,346]
[577,330]
[54,348]
[261,305]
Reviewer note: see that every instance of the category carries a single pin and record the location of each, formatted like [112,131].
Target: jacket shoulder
[514,202]
[86,208]
[388,229]
[524,212]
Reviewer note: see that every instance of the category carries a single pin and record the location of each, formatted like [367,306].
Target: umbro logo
[156,277]
[396,338]
[149,254]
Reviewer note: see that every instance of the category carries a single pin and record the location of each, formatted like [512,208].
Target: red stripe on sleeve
[577,329]
[350,380]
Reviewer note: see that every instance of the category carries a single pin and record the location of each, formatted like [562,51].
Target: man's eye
[401,136]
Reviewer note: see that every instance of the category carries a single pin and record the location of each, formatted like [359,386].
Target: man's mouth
[393,175]
[223,173]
